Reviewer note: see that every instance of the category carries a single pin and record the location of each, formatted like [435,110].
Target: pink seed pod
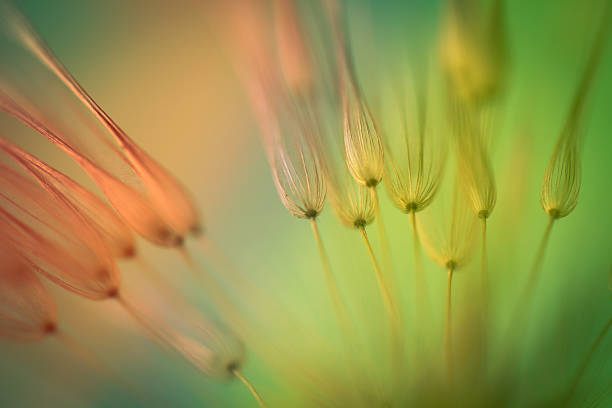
[116,234]
[131,201]
[55,238]
[168,196]
[27,311]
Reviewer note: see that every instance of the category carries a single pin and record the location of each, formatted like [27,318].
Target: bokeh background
[162,71]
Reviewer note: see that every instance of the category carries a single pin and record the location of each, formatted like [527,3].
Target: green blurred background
[159,69]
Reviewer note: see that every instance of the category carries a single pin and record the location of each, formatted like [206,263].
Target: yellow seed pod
[363,147]
[561,184]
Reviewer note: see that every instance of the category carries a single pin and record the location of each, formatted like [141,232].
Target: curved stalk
[251,388]
[420,284]
[396,331]
[448,335]
[382,235]
[382,284]
[534,274]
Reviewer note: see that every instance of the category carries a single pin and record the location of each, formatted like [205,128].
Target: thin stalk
[396,331]
[382,284]
[448,335]
[382,234]
[484,272]
[332,286]
[534,274]
[537,264]
[420,284]
[585,363]
[346,325]
[251,388]
[484,282]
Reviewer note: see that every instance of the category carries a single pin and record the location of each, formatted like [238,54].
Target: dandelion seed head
[561,185]
[297,164]
[362,144]
[212,350]
[475,169]
[449,237]
[353,203]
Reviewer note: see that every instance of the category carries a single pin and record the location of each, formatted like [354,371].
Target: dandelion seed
[449,241]
[364,156]
[55,239]
[353,203]
[477,179]
[355,207]
[117,236]
[212,350]
[362,144]
[562,179]
[61,246]
[169,196]
[27,311]
[134,206]
[297,168]
[412,178]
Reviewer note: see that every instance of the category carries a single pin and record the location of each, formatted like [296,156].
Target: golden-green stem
[382,284]
[484,282]
[382,235]
[251,388]
[585,363]
[332,286]
[448,336]
[420,284]
[390,306]
[537,264]
[534,274]
[347,327]
[484,273]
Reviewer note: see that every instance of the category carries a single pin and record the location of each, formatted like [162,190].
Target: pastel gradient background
[160,70]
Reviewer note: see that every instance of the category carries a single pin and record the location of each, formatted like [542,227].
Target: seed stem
[382,284]
[382,234]
[535,269]
[448,336]
[346,324]
[484,282]
[396,337]
[585,363]
[534,274]
[484,272]
[420,284]
[251,388]
[332,286]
